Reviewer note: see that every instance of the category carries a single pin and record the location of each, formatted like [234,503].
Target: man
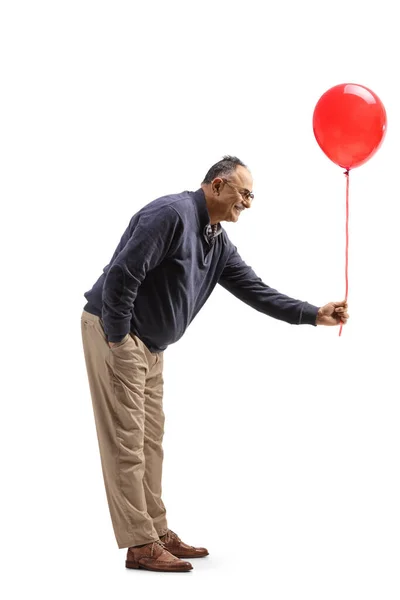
[171,256]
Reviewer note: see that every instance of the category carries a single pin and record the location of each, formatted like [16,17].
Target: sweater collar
[203,216]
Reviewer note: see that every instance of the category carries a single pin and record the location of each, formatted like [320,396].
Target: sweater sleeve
[241,281]
[147,246]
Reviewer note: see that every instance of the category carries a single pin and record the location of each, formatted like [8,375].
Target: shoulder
[171,206]
[162,211]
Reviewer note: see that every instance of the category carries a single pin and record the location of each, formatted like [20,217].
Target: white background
[290,475]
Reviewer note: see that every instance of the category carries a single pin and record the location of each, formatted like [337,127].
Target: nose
[247,202]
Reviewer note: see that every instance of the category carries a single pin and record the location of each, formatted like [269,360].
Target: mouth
[238,208]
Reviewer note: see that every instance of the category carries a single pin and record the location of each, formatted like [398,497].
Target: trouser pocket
[121,343]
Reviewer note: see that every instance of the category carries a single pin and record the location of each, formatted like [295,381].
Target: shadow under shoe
[154,557]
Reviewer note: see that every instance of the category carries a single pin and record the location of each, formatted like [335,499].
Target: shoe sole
[134,565]
[190,555]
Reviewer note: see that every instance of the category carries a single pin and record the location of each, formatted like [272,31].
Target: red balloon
[349,124]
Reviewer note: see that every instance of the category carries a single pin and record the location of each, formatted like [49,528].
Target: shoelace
[160,543]
[170,535]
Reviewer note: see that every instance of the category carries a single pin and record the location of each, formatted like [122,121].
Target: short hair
[225,166]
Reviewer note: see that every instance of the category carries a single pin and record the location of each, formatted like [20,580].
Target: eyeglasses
[246,194]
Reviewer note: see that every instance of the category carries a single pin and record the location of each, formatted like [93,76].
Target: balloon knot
[346,172]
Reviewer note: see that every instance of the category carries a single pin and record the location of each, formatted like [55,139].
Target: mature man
[170,257]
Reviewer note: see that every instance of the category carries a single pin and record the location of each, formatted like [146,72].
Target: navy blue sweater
[164,269]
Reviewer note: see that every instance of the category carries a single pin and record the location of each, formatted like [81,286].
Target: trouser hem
[133,543]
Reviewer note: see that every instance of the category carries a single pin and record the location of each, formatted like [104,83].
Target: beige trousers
[126,387]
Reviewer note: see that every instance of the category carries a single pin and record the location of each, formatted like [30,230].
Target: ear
[216,185]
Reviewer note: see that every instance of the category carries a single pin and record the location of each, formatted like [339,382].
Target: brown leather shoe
[175,546]
[154,557]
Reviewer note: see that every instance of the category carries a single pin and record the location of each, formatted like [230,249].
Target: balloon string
[347,172]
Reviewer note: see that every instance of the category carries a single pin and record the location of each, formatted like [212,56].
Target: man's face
[231,196]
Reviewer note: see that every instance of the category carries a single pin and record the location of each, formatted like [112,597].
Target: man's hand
[333,313]
[111,344]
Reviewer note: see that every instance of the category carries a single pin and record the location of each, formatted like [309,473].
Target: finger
[338,304]
[341,308]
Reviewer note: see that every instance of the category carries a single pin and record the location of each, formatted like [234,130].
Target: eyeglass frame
[249,195]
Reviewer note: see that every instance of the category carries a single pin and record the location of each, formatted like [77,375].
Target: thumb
[337,304]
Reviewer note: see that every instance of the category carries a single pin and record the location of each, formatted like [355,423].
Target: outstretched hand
[333,313]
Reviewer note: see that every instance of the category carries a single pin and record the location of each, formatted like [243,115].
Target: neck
[212,209]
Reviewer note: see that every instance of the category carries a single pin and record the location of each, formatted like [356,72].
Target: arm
[241,281]
[146,248]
